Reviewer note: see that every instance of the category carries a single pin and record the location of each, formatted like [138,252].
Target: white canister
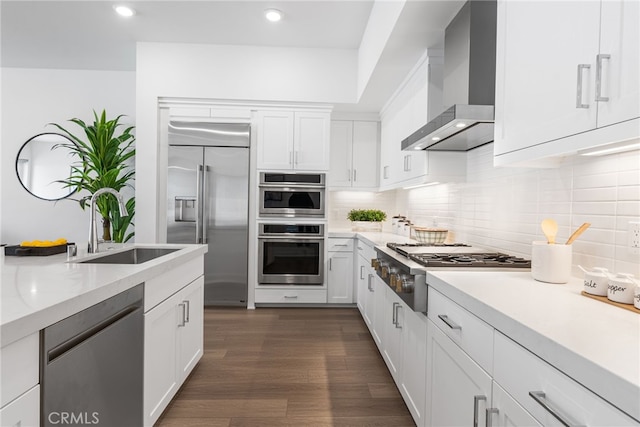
[596,282]
[621,288]
[636,298]
[551,263]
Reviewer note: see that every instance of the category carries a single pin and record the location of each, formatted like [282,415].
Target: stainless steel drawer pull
[183,321]
[394,314]
[187,310]
[362,272]
[477,399]
[558,414]
[370,283]
[291,297]
[448,322]
[398,325]
[342,245]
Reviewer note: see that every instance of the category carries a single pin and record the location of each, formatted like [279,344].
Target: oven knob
[375,263]
[385,271]
[392,280]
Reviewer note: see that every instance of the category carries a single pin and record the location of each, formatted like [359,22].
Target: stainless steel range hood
[469,84]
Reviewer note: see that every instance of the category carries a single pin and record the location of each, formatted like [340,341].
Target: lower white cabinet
[506,412]
[458,389]
[340,271]
[23,411]
[173,345]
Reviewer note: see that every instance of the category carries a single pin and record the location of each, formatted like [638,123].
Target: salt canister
[596,282]
[636,298]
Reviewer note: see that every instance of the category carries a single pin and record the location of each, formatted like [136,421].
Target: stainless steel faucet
[93,227]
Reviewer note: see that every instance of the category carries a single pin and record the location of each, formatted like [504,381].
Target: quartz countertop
[40,291]
[595,343]
[372,238]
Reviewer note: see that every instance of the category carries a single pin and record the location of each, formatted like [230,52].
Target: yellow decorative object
[43,243]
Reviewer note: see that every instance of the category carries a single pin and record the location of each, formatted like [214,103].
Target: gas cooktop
[456,255]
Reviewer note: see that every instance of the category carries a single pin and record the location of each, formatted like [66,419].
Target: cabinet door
[340,171]
[389,149]
[365,155]
[275,140]
[190,327]
[414,355]
[362,279]
[458,389]
[506,412]
[311,141]
[340,278]
[161,380]
[620,39]
[370,304]
[393,318]
[24,411]
[537,74]
[380,313]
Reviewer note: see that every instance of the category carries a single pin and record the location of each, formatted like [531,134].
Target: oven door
[291,201]
[290,261]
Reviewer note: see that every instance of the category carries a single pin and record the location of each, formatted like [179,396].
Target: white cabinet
[24,411]
[506,412]
[173,345]
[354,155]
[293,140]
[458,389]
[548,394]
[393,314]
[573,85]
[19,389]
[340,271]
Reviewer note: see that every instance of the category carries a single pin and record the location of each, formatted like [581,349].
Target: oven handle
[291,238]
[292,187]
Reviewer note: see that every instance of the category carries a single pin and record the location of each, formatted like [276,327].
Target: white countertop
[595,343]
[39,291]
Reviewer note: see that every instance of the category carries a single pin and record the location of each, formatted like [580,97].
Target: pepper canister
[636,297]
[621,288]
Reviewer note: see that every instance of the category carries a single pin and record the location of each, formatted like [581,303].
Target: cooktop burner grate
[495,259]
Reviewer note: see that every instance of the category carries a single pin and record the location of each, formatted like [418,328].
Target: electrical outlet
[634,235]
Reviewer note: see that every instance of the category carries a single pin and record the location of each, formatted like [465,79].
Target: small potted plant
[366,219]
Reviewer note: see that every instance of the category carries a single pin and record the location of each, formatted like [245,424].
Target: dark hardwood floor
[276,367]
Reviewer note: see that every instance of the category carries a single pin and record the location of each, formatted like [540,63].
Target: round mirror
[41,164]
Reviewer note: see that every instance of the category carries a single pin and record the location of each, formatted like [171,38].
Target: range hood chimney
[469,83]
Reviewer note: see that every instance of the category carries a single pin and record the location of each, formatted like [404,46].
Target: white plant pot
[366,226]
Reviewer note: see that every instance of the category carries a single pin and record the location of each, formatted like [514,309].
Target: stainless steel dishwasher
[92,365]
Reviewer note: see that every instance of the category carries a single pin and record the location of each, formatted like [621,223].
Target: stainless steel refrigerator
[208,199]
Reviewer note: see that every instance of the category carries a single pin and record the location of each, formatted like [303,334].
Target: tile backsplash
[502,208]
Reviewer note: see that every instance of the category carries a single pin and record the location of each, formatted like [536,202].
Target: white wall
[31,98]
[236,73]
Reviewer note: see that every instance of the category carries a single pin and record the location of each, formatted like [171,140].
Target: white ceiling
[89,35]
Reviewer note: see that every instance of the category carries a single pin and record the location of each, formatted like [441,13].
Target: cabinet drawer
[340,245]
[20,367]
[473,335]
[161,287]
[365,250]
[293,296]
[24,411]
[520,373]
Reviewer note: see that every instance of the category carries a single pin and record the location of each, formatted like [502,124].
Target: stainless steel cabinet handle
[398,307]
[187,311]
[448,322]
[408,168]
[354,176]
[369,286]
[489,414]
[599,59]
[330,259]
[204,203]
[291,297]
[558,414]
[394,314]
[183,321]
[362,272]
[343,245]
[477,399]
[581,68]
[385,172]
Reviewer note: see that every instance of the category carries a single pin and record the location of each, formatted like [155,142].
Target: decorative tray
[629,307]
[17,250]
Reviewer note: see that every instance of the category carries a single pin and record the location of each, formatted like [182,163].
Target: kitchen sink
[131,256]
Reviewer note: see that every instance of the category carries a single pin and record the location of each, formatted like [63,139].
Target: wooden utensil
[550,229]
[578,232]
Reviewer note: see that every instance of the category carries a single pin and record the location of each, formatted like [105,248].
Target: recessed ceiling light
[273,15]
[461,125]
[435,138]
[124,11]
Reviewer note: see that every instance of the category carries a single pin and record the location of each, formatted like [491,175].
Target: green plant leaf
[366,215]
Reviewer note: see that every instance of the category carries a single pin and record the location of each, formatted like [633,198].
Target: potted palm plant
[366,219]
[105,154]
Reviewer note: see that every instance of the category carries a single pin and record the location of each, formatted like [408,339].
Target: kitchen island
[38,292]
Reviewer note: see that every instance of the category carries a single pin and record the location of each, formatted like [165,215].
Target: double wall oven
[291,229]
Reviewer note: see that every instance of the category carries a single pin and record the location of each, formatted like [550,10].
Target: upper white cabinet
[354,155]
[569,85]
[293,140]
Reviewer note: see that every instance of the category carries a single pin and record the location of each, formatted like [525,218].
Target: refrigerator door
[226,216]
[183,186]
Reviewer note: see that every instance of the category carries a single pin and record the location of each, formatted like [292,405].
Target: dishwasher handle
[76,340]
